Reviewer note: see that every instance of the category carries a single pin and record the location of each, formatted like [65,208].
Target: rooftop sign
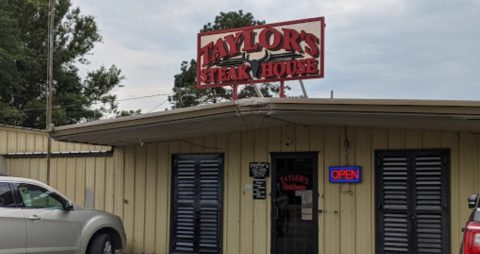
[259,54]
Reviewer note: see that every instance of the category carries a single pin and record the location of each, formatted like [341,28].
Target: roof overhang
[256,113]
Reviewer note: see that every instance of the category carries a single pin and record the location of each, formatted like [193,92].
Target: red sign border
[322,52]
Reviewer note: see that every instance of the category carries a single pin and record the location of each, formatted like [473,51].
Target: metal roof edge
[264,106]
[150,118]
[147,115]
[21,128]
[351,101]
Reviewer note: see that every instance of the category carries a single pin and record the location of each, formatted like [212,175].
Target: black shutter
[184,202]
[197,203]
[412,198]
[392,214]
[431,204]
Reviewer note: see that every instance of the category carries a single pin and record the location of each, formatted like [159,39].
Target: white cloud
[146,72]
[374,48]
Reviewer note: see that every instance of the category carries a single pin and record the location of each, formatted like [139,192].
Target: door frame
[315,195]
[446,223]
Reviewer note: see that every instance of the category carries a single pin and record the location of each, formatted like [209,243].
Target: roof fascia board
[22,129]
[377,102]
[146,120]
[406,109]
[271,106]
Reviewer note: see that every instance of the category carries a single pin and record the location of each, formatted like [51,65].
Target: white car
[34,218]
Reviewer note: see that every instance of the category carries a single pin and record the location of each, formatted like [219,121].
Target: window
[34,196]
[6,196]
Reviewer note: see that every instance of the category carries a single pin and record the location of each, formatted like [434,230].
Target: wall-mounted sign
[259,188]
[259,169]
[345,174]
[264,53]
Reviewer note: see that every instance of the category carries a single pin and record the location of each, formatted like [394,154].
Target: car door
[13,233]
[50,228]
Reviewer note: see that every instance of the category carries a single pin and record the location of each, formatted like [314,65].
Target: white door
[13,234]
[50,228]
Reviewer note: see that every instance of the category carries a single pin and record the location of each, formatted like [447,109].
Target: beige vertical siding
[135,183]
[70,176]
[21,140]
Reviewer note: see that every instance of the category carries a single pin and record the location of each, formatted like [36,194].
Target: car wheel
[101,244]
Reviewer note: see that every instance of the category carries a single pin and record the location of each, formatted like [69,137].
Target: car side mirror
[472,201]
[68,206]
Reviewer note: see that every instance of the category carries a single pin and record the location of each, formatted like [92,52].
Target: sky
[399,49]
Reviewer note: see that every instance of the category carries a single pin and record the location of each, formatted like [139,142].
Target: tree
[23,64]
[232,20]
[9,52]
[123,113]
[185,93]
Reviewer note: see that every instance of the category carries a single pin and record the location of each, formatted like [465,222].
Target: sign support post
[235,92]
[282,89]
[303,89]
[257,91]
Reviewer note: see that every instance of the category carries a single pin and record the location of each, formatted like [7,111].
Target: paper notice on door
[307,205]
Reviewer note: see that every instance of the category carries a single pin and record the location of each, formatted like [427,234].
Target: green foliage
[23,65]
[267,90]
[123,113]
[232,20]
[185,93]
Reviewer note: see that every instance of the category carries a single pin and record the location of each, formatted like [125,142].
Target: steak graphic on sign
[264,53]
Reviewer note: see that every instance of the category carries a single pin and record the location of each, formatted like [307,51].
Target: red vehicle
[471,236]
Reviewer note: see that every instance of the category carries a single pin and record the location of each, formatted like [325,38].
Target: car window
[6,196]
[34,196]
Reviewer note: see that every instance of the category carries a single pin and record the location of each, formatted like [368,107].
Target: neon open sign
[340,174]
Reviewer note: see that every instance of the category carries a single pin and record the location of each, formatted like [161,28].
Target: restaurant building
[278,175]
[340,175]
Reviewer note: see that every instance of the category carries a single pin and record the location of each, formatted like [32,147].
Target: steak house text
[268,39]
